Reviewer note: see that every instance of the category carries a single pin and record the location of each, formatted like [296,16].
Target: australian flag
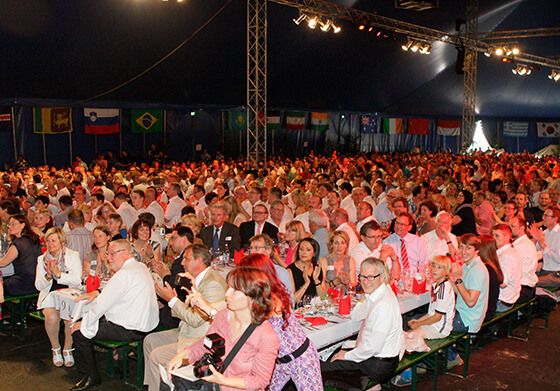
[368,124]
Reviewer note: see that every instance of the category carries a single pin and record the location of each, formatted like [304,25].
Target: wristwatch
[458,281]
[213,313]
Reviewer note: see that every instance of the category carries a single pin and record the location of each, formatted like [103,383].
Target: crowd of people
[483,228]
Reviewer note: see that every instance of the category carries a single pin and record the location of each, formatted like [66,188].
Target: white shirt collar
[200,277]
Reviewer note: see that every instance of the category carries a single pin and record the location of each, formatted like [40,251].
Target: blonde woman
[338,267]
[295,231]
[236,214]
[299,198]
[58,268]
[191,221]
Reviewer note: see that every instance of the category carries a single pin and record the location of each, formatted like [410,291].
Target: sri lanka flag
[101,121]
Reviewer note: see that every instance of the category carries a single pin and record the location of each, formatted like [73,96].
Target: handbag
[201,385]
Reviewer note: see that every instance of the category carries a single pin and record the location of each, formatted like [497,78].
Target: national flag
[295,120]
[52,120]
[515,129]
[5,119]
[146,121]
[392,125]
[368,124]
[272,120]
[101,121]
[448,128]
[238,120]
[418,126]
[319,121]
[548,129]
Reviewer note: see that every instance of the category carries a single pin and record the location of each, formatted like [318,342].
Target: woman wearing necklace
[58,268]
[307,276]
[338,267]
[94,260]
[249,302]
[145,250]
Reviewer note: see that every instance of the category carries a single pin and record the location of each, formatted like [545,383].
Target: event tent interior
[59,53]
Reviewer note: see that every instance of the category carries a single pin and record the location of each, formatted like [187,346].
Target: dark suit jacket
[228,231]
[247,231]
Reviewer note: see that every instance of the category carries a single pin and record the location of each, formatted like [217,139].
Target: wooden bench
[136,347]
[430,358]
[19,307]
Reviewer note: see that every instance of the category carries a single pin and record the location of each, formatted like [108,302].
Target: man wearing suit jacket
[257,226]
[180,239]
[161,347]
[220,232]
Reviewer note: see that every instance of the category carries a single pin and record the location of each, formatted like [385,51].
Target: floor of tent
[495,364]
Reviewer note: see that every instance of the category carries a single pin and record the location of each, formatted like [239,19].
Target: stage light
[301,18]
[426,49]
[370,30]
[361,27]
[407,46]
[499,51]
[515,51]
[489,51]
[414,47]
[312,23]
[522,70]
[336,29]
[555,75]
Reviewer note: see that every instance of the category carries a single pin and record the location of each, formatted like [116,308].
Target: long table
[330,336]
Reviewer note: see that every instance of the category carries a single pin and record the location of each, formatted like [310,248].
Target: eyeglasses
[111,253]
[374,236]
[368,278]
[256,248]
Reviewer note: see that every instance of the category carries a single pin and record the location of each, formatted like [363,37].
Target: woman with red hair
[297,359]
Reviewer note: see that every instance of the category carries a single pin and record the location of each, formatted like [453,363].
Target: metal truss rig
[256,80]
[469,78]
[332,10]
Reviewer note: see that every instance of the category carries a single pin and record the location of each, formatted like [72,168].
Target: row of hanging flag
[58,120]
[521,129]
[371,124]
[295,120]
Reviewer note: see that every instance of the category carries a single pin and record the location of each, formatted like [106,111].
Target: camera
[183,281]
[216,344]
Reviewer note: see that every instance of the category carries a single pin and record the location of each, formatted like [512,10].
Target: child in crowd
[438,322]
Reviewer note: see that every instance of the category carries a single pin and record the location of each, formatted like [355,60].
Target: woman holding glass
[58,268]
[338,267]
[249,302]
[307,276]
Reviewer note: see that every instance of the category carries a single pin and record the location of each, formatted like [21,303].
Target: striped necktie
[404,256]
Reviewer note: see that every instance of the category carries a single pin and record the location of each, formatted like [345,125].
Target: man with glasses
[161,347]
[410,249]
[125,310]
[371,247]
[380,344]
[258,225]
[278,217]
[262,244]
[548,241]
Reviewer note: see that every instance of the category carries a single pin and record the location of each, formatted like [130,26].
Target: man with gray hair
[125,310]
[318,223]
[380,344]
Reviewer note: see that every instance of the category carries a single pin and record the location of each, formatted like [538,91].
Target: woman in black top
[489,256]
[464,221]
[307,276]
[23,253]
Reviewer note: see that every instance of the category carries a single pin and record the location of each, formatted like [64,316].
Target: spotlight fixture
[361,27]
[336,29]
[522,70]
[312,22]
[407,46]
[415,45]
[515,51]
[325,26]
[555,75]
[300,19]
[499,51]
[489,51]
[426,49]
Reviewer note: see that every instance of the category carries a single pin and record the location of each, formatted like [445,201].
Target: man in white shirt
[96,200]
[371,247]
[174,207]
[410,249]
[364,213]
[380,344]
[510,265]
[125,210]
[277,216]
[549,243]
[153,207]
[528,254]
[314,203]
[441,241]
[197,198]
[126,310]
[161,347]
[137,199]
[339,222]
